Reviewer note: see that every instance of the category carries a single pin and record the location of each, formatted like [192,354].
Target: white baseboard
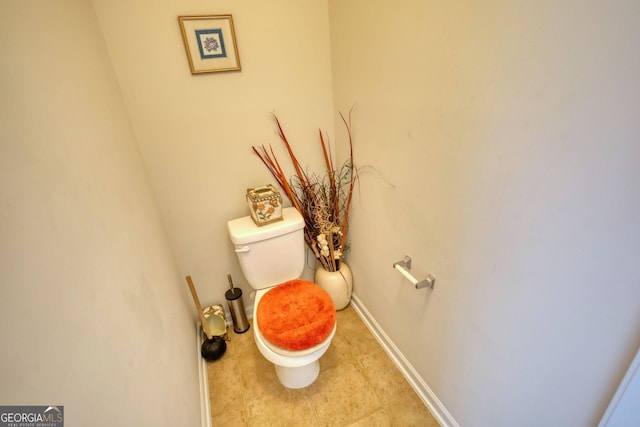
[417,383]
[205,405]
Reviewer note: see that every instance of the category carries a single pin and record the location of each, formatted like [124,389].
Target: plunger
[214,346]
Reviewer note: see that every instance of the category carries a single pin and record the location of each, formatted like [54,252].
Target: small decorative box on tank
[265,204]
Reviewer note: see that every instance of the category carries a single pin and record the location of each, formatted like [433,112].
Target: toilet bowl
[269,256]
[295,369]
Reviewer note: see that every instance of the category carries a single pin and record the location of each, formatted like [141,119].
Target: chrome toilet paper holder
[404,267]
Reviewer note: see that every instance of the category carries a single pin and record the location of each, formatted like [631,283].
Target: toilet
[272,258]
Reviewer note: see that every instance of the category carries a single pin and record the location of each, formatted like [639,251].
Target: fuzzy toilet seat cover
[296,315]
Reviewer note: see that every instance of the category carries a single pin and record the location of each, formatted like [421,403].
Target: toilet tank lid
[244,230]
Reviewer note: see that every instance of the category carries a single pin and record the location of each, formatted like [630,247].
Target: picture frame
[210,42]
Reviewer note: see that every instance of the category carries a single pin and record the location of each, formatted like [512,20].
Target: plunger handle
[205,325]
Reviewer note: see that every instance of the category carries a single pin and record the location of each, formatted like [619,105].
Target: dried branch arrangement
[322,200]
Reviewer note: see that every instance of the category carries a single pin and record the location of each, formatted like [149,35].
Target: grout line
[424,392]
[365,323]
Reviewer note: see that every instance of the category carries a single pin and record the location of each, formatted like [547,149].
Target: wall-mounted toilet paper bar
[404,265]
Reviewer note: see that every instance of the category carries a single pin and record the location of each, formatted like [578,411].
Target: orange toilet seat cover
[296,315]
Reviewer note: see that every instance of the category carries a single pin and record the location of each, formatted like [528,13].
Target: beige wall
[93,314]
[504,141]
[508,134]
[196,132]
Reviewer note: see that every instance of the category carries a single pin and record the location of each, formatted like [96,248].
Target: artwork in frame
[210,42]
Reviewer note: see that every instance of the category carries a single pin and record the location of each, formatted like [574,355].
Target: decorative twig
[323,201]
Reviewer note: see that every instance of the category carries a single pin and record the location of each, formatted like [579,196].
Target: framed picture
[210,42]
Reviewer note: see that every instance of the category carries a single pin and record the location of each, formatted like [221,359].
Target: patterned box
[265,204]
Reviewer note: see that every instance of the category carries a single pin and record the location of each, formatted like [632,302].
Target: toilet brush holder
[236,307]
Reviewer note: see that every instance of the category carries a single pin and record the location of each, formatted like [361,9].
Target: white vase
[338,284]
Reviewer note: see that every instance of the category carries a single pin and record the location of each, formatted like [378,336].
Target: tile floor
[358,385]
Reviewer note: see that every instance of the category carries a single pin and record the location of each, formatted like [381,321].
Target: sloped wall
[93,312]
[505,144]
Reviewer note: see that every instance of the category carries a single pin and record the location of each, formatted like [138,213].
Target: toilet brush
[236,306]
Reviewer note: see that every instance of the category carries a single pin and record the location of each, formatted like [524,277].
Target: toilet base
[299,377]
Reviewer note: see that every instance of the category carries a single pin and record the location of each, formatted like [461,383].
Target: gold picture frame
[210,41]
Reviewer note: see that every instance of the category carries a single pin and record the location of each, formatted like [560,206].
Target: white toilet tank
[270,254]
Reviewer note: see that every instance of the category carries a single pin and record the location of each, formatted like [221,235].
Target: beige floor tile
[258,376]
[410,412]
[358,339]
[341,395]
[358,385]
[224,388]
[339,351]
[287,409]
[385,378]
[377,419]
[348,315]
[232,418]
[345,344]
[239,343]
